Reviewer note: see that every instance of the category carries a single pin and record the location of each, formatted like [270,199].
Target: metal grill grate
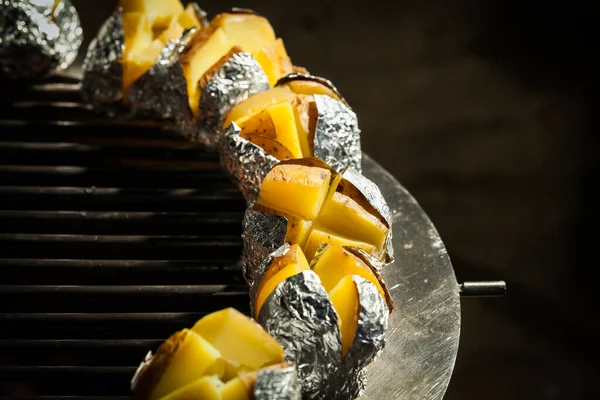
[112,236]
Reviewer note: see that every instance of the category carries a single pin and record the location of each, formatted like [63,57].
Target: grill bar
[113,235]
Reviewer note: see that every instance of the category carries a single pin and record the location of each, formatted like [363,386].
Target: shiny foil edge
[337,136]
[263,233]
[374,196]
[47,40]
[277,384]
[299,314]
[161,92]
[102,83]
[239,78]
[244,162]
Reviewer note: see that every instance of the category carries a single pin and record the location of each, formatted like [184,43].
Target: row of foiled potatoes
[316,232]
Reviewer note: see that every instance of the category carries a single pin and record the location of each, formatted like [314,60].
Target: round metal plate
[424,329]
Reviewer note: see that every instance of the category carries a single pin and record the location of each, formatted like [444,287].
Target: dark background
[483,110]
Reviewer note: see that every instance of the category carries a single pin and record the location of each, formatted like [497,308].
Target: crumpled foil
[246,163]
[337,142]
[162,91]
[301,317]
[239,78]
[337,136]
[368,342]
[263,234]
[372,193]
[36,39]
[277,384]
[102,82]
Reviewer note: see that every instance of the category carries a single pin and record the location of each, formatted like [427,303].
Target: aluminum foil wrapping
[368,342]
[277,384]
[372,193]
[301,317]
[263,234]
[37,39]
[246,163]
[103,73]
[337,136]
[239,78]
[162,91]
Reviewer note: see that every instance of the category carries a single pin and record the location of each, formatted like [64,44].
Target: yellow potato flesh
[344,297]
[235,389]
[156,10]
[343,215]
[334,263]
[194,358]
[188,19]
[205,388]
[172,31]
[283,118]
[317,237]
[248,31]
[240,340]
[136,32]
[257,103]
[138,64]
[200,61]
[297,231]
[292,263]
[275,61]
[295,189]
[274,129]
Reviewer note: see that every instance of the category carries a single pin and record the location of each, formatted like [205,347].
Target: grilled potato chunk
[249,32]
[321,208]
[217,359]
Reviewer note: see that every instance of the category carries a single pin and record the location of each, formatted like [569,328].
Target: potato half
[349,297]
[244,30]
[222,358]
[147,26]
[283,120]
[322,207]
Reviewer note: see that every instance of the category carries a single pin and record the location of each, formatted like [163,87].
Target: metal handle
[483,289]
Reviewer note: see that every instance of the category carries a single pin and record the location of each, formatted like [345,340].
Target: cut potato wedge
[241,341]
[334,262]
[293,111]
[344,297]
[250,32]
[158,11]
[292,263]
[219,358]
[295,189]
[317,203]
[275,61]
[148,25]
[338,271]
